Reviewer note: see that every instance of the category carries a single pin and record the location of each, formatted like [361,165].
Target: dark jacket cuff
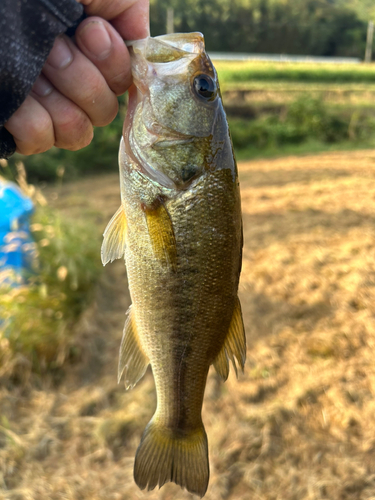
[27,33]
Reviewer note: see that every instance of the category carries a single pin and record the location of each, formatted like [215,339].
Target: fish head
[175,119]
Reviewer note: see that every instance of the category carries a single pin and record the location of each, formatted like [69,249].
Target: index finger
[129,17]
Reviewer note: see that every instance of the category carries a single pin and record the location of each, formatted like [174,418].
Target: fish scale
[181,235]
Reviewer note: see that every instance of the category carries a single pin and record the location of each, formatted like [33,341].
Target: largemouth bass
[179,227]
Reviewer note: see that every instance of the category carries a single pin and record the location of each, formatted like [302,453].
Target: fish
[179,227]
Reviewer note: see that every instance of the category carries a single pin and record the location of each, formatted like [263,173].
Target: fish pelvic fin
[234,347]
[113,246]
[165,455]
[133,360]
[160,230]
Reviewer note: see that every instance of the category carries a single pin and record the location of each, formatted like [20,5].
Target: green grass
[296,86]
[236,72]
[267,93]
[311,146]
[295,108]
[37,318]
[306,121]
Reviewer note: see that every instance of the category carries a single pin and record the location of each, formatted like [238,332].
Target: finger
[129,17]
[72,127]
[77,78]
[134,23]
[31,127]
[101,43]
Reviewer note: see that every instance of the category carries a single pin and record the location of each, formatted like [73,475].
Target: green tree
[312,27]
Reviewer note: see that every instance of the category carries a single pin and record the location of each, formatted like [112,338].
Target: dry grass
[299,424]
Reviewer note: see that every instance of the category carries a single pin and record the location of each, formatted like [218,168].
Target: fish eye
[205,87]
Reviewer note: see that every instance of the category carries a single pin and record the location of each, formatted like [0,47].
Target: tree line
[309,27]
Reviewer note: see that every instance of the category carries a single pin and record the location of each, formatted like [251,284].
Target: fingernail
[42,86]
[96,39]
[60,56]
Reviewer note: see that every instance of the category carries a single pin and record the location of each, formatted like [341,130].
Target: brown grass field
[298,425]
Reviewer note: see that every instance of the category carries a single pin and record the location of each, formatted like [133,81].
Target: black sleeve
[28,29]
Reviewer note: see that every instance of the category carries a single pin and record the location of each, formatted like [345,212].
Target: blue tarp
[16,244]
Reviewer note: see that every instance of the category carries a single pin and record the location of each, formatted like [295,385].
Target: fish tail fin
[165,455]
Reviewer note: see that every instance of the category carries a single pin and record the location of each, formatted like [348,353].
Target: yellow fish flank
[179,227]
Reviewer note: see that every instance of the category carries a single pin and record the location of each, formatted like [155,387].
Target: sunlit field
[236,71]
[299,422]
[260,99]
[278,109]
[297,425]
[343,86]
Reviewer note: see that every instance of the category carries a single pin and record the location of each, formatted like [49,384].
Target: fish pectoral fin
[160,230]
[164,455]
[234,345]
[113,246]
[133,361]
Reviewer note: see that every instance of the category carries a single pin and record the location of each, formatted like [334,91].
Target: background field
[283,108]
[297,425]
[272,108]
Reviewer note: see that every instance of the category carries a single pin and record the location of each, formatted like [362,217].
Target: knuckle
[39,129]
[108,112]
[93,92]
[32,148]
[25,149]
[38,136]
[85,140]
[120,83]
[73,129]
[99,102]
[71,123]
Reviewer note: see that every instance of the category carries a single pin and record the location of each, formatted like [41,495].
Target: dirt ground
[299,424]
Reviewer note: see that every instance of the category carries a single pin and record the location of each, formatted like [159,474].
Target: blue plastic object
[16,244]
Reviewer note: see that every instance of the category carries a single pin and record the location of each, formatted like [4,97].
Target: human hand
[79,82]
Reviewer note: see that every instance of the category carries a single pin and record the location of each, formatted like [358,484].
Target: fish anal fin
[114,241]
[234,347]
[160,230]
[164,456]
[132,361]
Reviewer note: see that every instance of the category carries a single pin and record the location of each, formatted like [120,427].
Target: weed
[37,317]
[304,120]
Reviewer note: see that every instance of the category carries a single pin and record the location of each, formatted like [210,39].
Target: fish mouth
[167,55]
[168,48]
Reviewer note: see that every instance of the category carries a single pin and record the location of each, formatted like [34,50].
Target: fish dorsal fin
[113,246]
[160,230]
[133,361]
[234,345]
